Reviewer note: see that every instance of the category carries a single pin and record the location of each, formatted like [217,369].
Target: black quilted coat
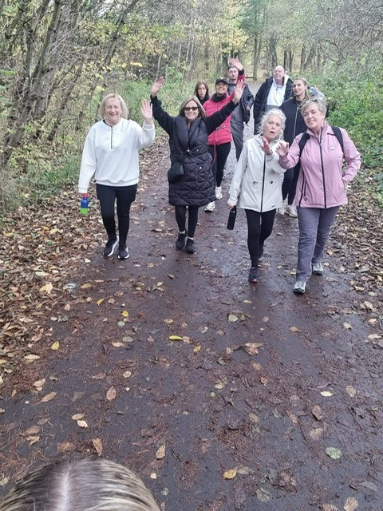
[190,147]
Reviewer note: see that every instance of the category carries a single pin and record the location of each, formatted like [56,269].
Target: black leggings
[219,153]
[192,221]
[289,185]
[107,196]
[259,228]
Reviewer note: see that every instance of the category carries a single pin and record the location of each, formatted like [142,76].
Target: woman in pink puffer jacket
[322,185]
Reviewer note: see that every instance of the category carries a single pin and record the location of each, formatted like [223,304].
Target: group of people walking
[294,163]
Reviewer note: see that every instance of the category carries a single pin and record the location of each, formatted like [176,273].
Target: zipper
[322,168]
[263,182]
[111,137]
[295,122]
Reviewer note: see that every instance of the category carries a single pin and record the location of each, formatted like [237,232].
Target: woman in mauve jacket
[220,139]
[321,187]
[188,140]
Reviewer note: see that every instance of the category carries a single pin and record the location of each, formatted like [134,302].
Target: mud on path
[238,410]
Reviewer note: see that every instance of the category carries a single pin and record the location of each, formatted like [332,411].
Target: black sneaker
[123,252]
[180,242]
[190,248]
[253,275]
[110,247]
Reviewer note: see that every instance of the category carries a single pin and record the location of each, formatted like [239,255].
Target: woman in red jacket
[220,139]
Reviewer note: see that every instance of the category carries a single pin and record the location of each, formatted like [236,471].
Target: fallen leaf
[125,314]
[351,504]
[294,329]
[263,495]
[351,391]
[329,507]
[347,326]
[111,394]
[317,412]
[334,453]
[232,318]
[55,346]
[161,451]
[31,358]
[47,288]
[66,447]
[197,349]
[82,424]
[127,374]
[86,286]
[252,347]
[32,439]
[293,418]
[175,338]
[316,433]
[39,384]
[48,397]
[326,393]
[78,416]
[97,444]
[99,302]
[230,474]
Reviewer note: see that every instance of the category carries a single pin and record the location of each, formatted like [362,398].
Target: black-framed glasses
[191,108]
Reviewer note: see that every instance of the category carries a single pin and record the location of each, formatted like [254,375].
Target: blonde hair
[124,108]
[82,485]
[201,110]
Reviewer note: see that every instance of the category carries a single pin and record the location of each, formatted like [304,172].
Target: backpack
[306,136]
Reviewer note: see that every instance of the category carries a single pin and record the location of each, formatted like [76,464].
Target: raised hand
[147,111]
[266,147]
[238,89]
[236,63]
[283,148]
[157,85]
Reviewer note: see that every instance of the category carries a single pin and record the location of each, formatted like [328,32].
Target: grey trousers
[314,230]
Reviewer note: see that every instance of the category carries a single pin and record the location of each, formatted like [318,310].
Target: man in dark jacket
[242,113]
[271,94]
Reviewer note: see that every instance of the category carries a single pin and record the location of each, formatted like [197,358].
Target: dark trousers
[259,228]
[219,154]
[289,185]
[192,220]
[107,195]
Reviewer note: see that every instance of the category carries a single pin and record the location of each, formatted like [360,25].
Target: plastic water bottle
[84,205]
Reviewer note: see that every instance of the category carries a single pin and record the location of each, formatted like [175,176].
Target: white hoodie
[112,153]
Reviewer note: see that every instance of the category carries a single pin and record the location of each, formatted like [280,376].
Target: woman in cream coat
[256,184]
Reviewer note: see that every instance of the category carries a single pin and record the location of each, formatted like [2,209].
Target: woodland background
[58,58]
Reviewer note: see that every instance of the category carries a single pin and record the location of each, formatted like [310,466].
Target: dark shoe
[260,252]
[253,275]
[180,242]
[190,248]
[110,247]
[123,252]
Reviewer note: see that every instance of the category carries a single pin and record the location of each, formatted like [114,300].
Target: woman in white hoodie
[111,152]
[256,184]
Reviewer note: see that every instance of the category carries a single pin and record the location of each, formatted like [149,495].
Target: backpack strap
[302,142]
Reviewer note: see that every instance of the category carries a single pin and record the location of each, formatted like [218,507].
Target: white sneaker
[317,268]
[282,209]
[291,210]
[210,207]
[299,287]
[218,192]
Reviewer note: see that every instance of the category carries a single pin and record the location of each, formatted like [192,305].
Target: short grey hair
[278,113]
[81,485]
[321,104]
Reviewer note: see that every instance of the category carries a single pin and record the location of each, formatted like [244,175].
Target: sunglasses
[191,108]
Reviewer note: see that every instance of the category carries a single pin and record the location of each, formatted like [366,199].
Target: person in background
[220,139]
[256,185]
[80,485]
[201,90]
[294,126]
[321,187]
[188,140]
[272,93]
[242,113]
[111,153]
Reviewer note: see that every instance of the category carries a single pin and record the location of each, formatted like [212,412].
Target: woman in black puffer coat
[188,141]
